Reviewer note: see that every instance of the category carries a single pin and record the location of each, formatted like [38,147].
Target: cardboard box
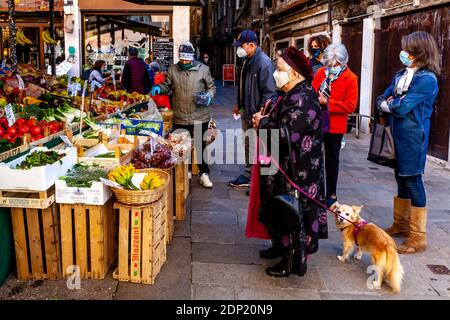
[97,194]
[37,178]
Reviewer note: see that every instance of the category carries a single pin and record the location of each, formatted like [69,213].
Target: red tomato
[39,137]
[31,122]
[35,130]
[6,136]
[12,131]
[24,129]
[2,131]
[4,122]
[21,122]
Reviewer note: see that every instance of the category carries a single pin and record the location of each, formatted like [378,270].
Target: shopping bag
[382,149]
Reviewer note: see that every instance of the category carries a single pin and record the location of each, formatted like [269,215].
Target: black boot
[299,257]
[282,268]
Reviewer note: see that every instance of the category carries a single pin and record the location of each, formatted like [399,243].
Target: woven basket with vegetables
[150,189]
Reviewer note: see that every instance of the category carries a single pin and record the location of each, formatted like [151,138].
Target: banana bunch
[152,181]
[47,37]
[22,39]
[123,175]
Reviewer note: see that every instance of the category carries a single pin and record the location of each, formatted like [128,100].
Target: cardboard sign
[10,114]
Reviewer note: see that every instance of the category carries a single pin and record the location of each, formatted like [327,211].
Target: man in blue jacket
[256,86]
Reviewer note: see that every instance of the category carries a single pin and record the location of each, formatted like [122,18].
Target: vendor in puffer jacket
[193,89]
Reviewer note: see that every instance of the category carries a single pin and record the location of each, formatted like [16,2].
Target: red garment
[343,99]
[161,100]
[254,228]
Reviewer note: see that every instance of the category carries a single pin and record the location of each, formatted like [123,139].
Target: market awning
[170,2]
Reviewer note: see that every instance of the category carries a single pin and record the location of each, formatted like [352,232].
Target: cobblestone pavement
[210,258]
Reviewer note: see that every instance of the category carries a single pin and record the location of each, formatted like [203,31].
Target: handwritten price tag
[10,114]
[110,183]
[21,83]
[66,140]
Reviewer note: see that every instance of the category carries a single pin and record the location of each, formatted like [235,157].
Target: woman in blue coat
[410,100]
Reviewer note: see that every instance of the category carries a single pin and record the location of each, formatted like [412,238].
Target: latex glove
[155,90]
[384,107]
[209,100]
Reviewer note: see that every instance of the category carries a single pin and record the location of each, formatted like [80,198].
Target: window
[300,44]
[282,45]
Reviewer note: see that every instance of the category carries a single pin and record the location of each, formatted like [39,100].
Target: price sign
[21,83]
[10,114]
[66,140]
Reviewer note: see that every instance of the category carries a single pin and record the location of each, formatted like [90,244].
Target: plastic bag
[153,113]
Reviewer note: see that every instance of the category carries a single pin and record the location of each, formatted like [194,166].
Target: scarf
[325,86]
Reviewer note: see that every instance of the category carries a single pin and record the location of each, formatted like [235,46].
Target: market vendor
[97,72]
[193,89]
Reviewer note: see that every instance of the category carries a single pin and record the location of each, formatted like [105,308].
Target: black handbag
[382,149]
[283,214]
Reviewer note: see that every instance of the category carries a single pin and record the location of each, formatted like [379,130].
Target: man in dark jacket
[256,86]
[135,77]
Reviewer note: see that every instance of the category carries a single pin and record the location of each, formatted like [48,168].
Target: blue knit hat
[186,51]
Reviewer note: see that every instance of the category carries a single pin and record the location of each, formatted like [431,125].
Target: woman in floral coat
[297,115]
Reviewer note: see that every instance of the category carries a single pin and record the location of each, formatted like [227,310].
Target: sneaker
[205,181]
[240,181]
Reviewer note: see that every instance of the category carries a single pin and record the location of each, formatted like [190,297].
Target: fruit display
[47,37]
[159,156]
[22,39]
[152,181]
[123,175]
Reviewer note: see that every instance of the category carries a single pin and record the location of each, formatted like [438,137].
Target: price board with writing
[163,52]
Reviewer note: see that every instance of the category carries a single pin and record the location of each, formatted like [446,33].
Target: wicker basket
[139,197]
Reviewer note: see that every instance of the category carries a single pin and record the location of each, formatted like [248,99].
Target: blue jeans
[411,187]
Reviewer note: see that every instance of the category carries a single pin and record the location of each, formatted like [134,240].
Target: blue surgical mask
[404,58]
[334,70]
[315,52]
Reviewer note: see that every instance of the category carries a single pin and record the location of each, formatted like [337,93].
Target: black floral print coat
[299,111]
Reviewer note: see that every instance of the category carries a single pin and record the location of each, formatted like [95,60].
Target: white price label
[110,183]
[21,83]
[10,114]
[66,140]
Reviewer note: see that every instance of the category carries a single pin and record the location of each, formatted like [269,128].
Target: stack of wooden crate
[142,241]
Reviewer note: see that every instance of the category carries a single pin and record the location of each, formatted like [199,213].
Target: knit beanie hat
[186,51]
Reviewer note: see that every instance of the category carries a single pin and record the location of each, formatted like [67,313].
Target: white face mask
[241,53]
[281,78]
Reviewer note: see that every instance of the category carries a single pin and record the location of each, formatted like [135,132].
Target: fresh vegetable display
[82,175]
[39,158]
[152,181]
[109,155]
[123,175]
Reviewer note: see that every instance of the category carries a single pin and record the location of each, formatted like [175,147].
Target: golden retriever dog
[372,239]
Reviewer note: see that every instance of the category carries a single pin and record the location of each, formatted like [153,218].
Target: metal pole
[12,34]
[53,35]
[330,23]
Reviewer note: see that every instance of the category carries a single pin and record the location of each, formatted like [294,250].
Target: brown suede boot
[400,227]
[417,240]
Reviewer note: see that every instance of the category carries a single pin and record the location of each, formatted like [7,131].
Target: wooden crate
[88,239]
[194,161]
[142,242]
[181,189]
[37,243]
[170,205]
[27,198]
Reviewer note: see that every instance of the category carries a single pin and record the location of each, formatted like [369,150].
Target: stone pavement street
[210,258]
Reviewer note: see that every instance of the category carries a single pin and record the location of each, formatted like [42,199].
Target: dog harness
[358,228]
